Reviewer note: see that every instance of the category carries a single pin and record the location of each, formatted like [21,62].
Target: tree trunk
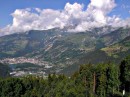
[94,82]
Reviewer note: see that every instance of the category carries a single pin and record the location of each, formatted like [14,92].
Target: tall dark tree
[125,74]
[101,80]
[113,81]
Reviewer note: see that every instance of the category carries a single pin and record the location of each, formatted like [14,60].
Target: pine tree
[125,74]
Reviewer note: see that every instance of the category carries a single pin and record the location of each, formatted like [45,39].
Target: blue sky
[100,11]
[122,8]
[9,6]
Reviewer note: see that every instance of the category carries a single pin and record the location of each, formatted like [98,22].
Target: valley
[55,51]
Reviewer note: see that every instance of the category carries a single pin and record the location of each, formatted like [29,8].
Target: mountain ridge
[63,49]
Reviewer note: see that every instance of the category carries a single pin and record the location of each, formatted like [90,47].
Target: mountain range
[63,51]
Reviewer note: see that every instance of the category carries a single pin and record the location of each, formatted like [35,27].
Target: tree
[125,74]
[101,87]
[113,81]
[87,76]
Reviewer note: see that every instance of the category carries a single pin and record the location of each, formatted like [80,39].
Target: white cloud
[105,5]
[100,8]
[96,15]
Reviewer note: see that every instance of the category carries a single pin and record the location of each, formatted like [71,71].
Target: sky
[24,15]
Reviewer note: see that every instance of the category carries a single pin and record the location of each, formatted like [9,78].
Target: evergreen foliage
[101,80]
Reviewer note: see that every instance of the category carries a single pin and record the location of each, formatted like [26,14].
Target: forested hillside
[4,70]
[63,51]
[101,80]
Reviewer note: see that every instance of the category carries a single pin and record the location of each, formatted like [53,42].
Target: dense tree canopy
[102,80]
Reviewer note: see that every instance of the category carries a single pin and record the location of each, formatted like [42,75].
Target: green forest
[101,80]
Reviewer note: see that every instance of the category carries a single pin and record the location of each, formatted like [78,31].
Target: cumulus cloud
[95,15]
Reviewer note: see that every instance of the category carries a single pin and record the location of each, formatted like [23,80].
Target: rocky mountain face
[60,51]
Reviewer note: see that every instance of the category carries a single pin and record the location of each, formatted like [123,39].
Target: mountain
[55,50]
[120,49]
[115,36]
[113,52]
